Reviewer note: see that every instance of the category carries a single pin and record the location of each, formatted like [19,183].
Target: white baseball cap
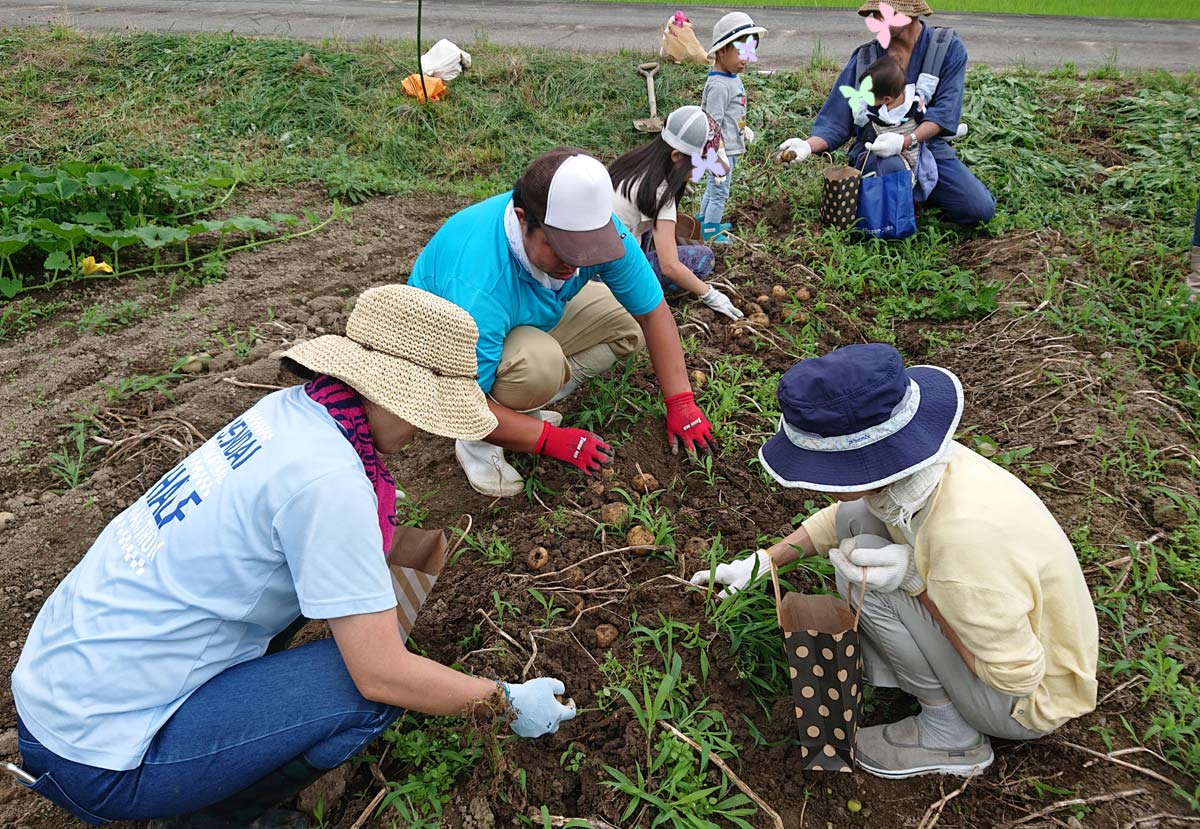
[571,193]
[733,26]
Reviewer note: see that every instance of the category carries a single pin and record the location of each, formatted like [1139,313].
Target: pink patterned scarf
[346,409]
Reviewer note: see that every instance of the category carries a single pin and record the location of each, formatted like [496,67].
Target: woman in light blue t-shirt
[154,683]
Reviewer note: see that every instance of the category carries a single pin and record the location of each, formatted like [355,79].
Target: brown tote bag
[820,636]
[416,560]
[840,185]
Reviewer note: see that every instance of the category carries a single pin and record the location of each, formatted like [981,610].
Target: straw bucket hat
[913,8]
[411,353]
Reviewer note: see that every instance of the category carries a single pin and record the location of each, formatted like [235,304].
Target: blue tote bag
[885,205]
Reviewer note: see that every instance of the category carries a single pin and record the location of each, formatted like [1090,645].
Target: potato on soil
[803,294]
[760,319]
[538,558]
[644,483]
[640,539]
[605,635]
[762,299]
[752,308]
[614,513]
[779,292]
[699,378]
[695,546]
[194,364]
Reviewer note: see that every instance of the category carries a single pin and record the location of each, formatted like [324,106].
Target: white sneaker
[487,471]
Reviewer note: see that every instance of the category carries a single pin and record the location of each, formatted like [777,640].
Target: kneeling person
[559,290]
[972,598]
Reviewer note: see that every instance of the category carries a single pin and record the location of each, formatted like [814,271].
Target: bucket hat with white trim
[856,419]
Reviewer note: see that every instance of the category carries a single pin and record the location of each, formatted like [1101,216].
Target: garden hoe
[653,123]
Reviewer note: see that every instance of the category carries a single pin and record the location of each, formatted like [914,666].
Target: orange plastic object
[412,86]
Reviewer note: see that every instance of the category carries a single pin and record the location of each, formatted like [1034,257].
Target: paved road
[999,40]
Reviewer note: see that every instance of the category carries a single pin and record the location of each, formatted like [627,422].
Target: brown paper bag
[839,196]
[416,559]
[820,636]
[679,44]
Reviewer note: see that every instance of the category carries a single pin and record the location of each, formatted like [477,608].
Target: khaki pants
[533,365]
[903,647]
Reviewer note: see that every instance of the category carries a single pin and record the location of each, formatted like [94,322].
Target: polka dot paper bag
[825,662]
[839,196]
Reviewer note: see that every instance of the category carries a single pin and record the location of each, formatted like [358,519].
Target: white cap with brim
[733,26]
[578,223]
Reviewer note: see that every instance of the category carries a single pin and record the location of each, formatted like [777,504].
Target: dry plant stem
[241,384]
[934,813]
[1153,774]
[533,634]
[500,630]
[540,576]
[366,813]
[737,781]
[1075,801]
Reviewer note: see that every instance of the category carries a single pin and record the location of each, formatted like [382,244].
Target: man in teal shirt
[559,290]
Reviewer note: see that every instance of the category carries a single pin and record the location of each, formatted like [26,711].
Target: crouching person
[146,688]
[972,598]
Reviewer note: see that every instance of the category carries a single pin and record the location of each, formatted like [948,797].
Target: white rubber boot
[487,471]
[584,366]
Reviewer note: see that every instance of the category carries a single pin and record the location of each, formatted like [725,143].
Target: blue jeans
[698,259]
[231,732]
[712,203]
[960,195]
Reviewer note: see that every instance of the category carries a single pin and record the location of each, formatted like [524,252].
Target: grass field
[1160,9]
[1066,318]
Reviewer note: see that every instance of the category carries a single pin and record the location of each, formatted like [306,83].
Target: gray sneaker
[895,751]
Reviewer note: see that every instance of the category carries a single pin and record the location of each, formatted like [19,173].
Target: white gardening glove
[886,568]
[737,574]
[958,133]
[536,711]
[887,145]
[798,146]
[747,134]
[720,303]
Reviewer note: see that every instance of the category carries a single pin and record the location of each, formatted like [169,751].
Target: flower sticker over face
[746,49]
[706,163]
[888,19]
[863,95]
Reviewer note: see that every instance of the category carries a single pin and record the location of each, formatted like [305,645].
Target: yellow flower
[89,266]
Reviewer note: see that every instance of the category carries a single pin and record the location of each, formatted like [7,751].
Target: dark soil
[303,288]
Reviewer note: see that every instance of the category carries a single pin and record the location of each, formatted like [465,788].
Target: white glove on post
[887,145]
[720,303]
[798,146]
[736,575]
[747,134]
[958,133]
[887,568]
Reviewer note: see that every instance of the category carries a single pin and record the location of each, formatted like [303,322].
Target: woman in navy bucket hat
[972,598]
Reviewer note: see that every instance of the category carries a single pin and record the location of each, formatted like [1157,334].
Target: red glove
[686,422]
[577,447]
